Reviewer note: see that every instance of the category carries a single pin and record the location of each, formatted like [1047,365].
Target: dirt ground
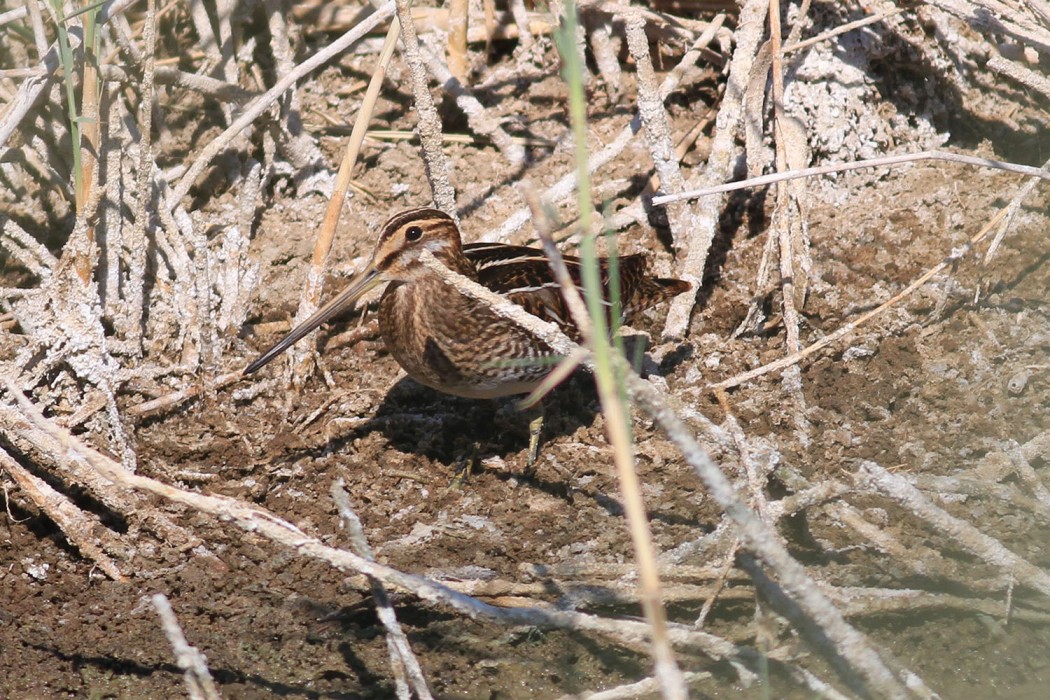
[942,385]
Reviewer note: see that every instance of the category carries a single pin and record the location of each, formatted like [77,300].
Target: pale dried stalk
[760,539]
[521,21]
[300,360]
[135,296]
[795,45]
[90,135]
[618,429]
[565,186]
[155,406]
[168,75]
[458,63]
[199,683]
[858,602]
[1011,208]
[1042,173]
[944,487]
[111,231]
[643,688]
[259,105]
[36,21]
[297,146]
[789,220]
[83,531]
[435,163]
[681,219]
[402,659]
[959,532]
[27,250]
[994,18]
[28,93]
[719,164]
[478,118]
[607,60]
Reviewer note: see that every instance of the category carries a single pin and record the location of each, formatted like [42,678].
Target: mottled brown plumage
[450,341]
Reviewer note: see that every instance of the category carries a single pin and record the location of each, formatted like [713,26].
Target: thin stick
[681,219]
[137,241]
[882,161]
[731,113]
[959,532]
[403,661]
[259,105]
[83,530]
[458,63]
[838,31]
[851,326]
[311,295]
[199,683]
[435,163]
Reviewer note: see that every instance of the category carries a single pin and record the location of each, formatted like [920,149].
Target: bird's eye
[413,233]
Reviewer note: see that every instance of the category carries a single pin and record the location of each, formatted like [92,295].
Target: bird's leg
[464,472]
[535,432]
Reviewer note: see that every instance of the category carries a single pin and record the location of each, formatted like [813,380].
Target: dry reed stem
[790,219]
[256,107]
[656,123]
[523,25]
[112,216]
[565,186]
[1015,203]
[135,296]
[168,401]
[478,118]
[27,95]
[991,17]
[719,164]
[882,161]
[860,602]
[167,75]
[435,162]
[36,21]
[944,487]
[458,62]
[27,250]
[301,362]
[796,45]
[91,134]
[83,530]
[959,532]
[199,683]
[638,689]
[851,326]
[607,59]
[403,662]
[295,145]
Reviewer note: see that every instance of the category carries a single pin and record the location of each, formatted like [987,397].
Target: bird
[454,343]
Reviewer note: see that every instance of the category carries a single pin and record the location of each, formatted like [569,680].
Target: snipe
[451,342]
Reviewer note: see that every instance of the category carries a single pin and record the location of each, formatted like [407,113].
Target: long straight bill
[362,283]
